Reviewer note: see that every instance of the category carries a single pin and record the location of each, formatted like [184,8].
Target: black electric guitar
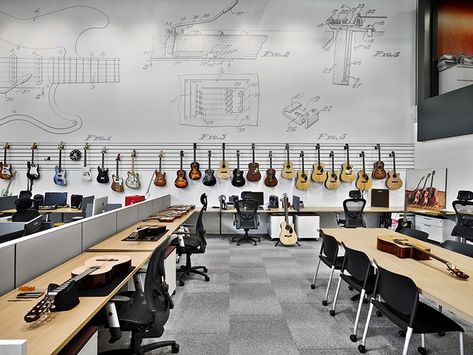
[209,177]
[60,173]
[117,181]
[238,179]
[33,169]
[102,177]
[5,169]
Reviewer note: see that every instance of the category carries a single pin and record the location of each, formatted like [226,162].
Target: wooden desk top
[315,210]
[65,210]
[116,243]
[49,335]
[431,276]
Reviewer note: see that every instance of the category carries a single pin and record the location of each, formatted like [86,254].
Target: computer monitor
[34,225]
[88,200]
[55,199]
[259,196]
[296,202]
[100,205]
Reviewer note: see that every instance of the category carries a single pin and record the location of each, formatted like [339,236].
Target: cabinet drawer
[430,221]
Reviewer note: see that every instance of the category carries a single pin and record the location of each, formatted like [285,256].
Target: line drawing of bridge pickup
[348,29]
[223,100]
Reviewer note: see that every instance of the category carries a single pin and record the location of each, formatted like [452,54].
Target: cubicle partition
[25,258]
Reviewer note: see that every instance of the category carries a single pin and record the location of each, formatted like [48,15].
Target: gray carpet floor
[259,301]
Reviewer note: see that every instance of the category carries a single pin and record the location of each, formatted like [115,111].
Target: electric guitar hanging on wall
[60,173]
[253,173]
[393,182]
[363,180]
[195,173]
[270,180]
[209,177]
[347,174]
[5,169]
[238,179]
[86,175]
[33,169]
[287,167]
[333,181]
[319,174]
[378,166]
[102,176]
[159,175]
[302,180]
[133,180]
[223,171]
[287,235]
[181,180]
[117,181]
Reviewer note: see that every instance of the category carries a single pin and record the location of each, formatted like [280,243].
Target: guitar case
[66,299]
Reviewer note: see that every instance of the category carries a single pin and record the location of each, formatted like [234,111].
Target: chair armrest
[187,225]
[142,270]
[120,298]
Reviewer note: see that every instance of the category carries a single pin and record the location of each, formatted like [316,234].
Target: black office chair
[193,244]
[246,218]
[24,211]
[414,233]
[329,256]
[400,304]
[353,210]
[145,313]
[358,273]
[463,207]
[458,247]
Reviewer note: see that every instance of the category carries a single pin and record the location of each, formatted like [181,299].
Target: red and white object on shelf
[130,200]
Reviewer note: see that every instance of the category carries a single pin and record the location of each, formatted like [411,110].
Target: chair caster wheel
[379,314]
[365,301]
[422,350]
[207,279]
[350,288]
[182,267]
[175,349]
[441,334]
[402,333]
[181,283]
[324,303]
[353,338]
[206,270]
[312,286]
[332,313]
[361,349]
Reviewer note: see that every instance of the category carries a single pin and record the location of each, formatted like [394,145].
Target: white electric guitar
[132,181]
[86,175]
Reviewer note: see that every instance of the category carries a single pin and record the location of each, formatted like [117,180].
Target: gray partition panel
[127,217]
[8,202]
[161,203]
[41,253]
[145,209]
[7,265]
[99,228]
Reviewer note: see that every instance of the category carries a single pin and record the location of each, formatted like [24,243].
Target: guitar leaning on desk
[60,173]
[238,180]
[133,179]
[287,235]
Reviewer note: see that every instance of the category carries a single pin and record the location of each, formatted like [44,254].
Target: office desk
[431,276]
[314,210]
[61,210]
[49,335]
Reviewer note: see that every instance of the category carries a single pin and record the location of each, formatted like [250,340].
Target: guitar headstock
[270,154]
[60,146]
[86,146]
[43,307]
[362,154]
[317,146]
[181,154]
[6,146]
[457,272]
[331,154]
[210,153]
[392,154]
[161,154]
[133,153]
[346,147]
[118,157]
[301,154]
[253,146]
[104,150]
[34,146]
[377,147]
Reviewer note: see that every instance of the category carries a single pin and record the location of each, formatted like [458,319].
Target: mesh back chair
[358,273]
[193,244]
[145,313]
[464,212]
[246,218]
[400,304]
[458,247]
[353,210]
[329,256]
[24,211]
[414,233]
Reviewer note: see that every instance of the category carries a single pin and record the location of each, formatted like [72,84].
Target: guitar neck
[286,213]
[394,162]
[195,152]
[253,153]
[103,160]
[379,152]
[5,155]
[133,165]
[348,156]
[85,158]
[160,160]
[302,157]
[270,160]
[333,164]
[238,160]
[210,163]
[60,158]
[427,252]
[223,151]
[68,70]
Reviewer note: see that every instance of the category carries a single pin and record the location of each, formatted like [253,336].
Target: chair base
[145,348]
[246,238]
[186,270]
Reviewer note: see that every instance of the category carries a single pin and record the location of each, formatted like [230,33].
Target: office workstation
[236,177]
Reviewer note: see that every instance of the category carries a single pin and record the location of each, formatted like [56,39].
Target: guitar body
[5,171]
[270,180]
[181,180]
[102,176]
[117,184]
[347,174]
[33,171]
[209,178]
[319,174]
[288,170]
[238,180]
[363,181]
[302,181]
[132,181]
[333,181]
[287,235]
[223,172]
[433,197]
[253,173]
[159,179]
[86,174]
[60,177]
[378,170]
[195,173]
[389,245]
[393,182]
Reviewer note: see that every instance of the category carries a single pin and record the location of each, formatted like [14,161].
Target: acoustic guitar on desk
[223,171]
[60,173]
[5,169]
[33,169]
[319,174]
[181,179]
[117,181]
[97,272]
[209,177]
[302,180]
[347,174]
[195,173]
[270,180]
[288,167]
[133,179]
[430,196]
[238,180]
[393,181]
[253,173]
[159,175]
[378,166]
[86,175]
[332,181]
[410,195]
[287,234]
[102,176]
[420,192]
[363,180]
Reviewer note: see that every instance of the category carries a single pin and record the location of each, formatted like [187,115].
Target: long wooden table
[431,276]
